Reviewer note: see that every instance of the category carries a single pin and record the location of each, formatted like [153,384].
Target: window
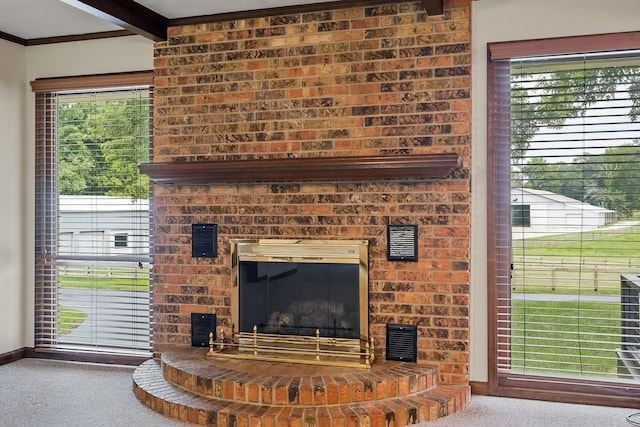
[92,289]
[564,218]
[120,240]
[520,215]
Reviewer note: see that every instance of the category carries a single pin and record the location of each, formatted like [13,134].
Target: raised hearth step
[281,383]
[152,389]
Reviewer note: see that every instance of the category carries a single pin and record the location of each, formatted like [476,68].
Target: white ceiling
[34,19]
[173,9]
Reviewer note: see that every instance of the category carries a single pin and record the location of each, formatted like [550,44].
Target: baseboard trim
[107,359]
[12,356]
[479,388]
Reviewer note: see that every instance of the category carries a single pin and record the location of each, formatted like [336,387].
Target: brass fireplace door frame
[305,251]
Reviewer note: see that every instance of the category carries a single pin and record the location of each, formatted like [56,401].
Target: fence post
[595,278]
[553,278]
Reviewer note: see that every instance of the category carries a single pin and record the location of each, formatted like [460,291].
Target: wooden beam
[366,168]
[127,14]
[433,7]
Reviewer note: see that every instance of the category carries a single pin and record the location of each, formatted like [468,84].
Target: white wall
[13,292]
[112,55]
[507,20]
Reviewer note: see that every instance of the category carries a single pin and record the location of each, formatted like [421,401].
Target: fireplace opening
[299,298]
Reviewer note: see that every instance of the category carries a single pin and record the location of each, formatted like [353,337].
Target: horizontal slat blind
[575,229]
[45,220]
[94,291]
[499,208]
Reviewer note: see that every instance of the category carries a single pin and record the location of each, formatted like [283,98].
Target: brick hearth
[190,386]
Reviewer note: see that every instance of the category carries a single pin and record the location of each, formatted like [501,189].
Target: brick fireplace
[233,100]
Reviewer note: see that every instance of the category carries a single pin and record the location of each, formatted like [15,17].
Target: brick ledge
[284,384]
[154,391]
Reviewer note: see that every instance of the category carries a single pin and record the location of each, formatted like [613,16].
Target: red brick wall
[363,81]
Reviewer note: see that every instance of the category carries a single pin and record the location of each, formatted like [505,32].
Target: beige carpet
[36,392]
[485,411]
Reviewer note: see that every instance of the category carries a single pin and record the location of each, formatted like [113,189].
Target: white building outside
[539,212]
[103,226]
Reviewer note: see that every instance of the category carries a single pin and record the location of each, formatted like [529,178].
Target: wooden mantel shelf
[303,169]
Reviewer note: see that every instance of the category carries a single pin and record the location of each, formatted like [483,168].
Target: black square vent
[201,325]
[204,240]
[402,342]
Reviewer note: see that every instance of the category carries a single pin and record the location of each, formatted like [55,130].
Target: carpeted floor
[36,392]
[485,411]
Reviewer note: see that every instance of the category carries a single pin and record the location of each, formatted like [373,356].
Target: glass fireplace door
[299,298]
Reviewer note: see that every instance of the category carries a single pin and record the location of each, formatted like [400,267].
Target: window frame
[499,222]
[46,207]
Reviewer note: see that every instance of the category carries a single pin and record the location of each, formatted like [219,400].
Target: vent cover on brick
[201,325]
[204,242]
[402,342]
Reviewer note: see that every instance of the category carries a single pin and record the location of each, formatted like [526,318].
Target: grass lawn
[598,244]
[570,338]
[576,263]
[105,278]
[69,319]
[565,336]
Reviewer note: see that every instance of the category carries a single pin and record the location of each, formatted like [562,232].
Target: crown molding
[79,37]
[13,39]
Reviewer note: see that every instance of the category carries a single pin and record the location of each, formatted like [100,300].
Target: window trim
[499,222]
[97,81]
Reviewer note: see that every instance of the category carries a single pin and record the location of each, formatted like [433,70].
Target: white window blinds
[92,231]
[574,197]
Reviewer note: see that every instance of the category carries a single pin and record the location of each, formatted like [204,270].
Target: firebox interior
[298,298]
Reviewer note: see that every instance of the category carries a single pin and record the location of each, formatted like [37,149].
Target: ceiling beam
[127,14]
[433,7]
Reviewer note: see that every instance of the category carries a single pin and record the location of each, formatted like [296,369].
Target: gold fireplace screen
[301,301]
